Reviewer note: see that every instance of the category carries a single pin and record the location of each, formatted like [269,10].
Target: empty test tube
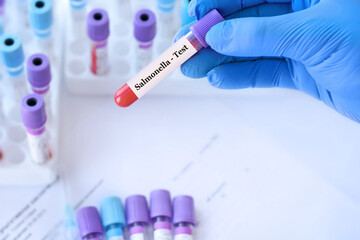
[161,214]
[184,14]
[113,218]
[15,81]
[137,217]
[41,19]
[144,33]
[39,77]
[98,32]
[34,118]
[167,62]
[89,223]
[78,12]
[184,218]
[166,18]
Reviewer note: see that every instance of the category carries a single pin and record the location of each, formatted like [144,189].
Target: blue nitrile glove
[309,45]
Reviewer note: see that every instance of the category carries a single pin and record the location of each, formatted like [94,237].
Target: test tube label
[162,234]
[137,236]
[161,67]
[39,147]
[183,237]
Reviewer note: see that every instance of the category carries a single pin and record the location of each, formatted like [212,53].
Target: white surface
[268,164]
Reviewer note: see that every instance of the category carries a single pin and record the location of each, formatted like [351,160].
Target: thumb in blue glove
[315,50]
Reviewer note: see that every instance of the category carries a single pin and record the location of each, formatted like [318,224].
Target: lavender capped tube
[137,217]
[39,77]
[161,214]
[184,217]
[89,223]
[144,33]
[98,31]
[34,119]
[2,8]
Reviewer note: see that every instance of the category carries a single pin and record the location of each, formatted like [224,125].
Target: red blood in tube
[124,97]
[1,155]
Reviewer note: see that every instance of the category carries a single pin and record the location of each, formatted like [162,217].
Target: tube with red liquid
[98,31]
[167,62]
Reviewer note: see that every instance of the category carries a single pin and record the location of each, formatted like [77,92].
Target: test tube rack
[121,52]
[16,165]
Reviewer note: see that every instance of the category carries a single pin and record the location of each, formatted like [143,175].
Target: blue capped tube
[166,18]
[41,20]
[12,54]
[113,218]
[78,14]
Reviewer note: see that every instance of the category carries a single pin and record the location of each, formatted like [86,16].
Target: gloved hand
[309,45]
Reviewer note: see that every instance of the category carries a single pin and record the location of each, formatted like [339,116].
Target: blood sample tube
[34,119]
[89,223]
[41,19]
[184,218]
[166,18]
[161,214]
[98,31]
[184,15]
[137,217]
[113,218]
[39,77]
[167,62]
[78,13]
[15,81]
[144,33]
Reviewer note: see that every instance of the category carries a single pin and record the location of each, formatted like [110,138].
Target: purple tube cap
[160,204]
[200,28]
[89,221]
[33,111]
[38,70]
[137,210]
[144,25]
[98,25]
[184,211]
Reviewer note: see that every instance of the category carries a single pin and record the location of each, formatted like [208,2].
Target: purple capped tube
[137,217]
[184,217]
[161,214]
[34,118]
[39,77]
[98,31]
[89,222]
[144,33]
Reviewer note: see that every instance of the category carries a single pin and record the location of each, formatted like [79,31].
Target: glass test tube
[137,217]
[98,32]
[166,18]
[167,62]
[89,223]
[41,19]
[15,81]
[78,13]
[113,218]
[184,218]
[144,33]
[39,77]
[184,15]
[161,214]
[34,118]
